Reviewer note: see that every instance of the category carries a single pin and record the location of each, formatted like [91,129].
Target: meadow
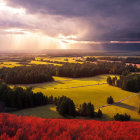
[46,111]
[93,89]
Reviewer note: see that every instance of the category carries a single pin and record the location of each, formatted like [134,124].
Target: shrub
[139,110]
[99,113]
[122,117]
[110,100]
[65,106]
[87,109]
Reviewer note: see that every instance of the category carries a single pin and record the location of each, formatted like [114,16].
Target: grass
[83,90]
[47,111]
[90,90]
[129,106]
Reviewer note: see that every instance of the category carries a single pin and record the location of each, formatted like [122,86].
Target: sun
[63,46]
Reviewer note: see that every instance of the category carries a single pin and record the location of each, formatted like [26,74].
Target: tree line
[91,59]
[27,74]
[43,73]
[20,98]
[76,70]
[128,82]
[135,60]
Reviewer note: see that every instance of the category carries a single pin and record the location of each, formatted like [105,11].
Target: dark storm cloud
[105,19]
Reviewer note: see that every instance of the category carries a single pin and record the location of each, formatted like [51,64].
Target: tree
[122,117]
[90,110]
[65,106]
[110,100]
[99,113]
[83,109]
[139,110]
[109,80]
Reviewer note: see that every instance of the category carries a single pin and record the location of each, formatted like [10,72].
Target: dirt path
[117,101]
[82,86]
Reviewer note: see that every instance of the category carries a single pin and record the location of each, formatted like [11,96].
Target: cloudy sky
[64,24]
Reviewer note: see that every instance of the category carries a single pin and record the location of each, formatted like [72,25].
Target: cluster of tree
[56,62]
[43,73]
[27,74]
[122,117]
[20,98]
[130,82]
[91,59]
[108,58]
[89,69]
[135,60]
[110,100]
[87,109]
[65,106]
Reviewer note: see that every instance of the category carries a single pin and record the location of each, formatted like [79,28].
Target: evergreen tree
[83,110]
[90,110]
[99,113]
[110,100]
[109,80]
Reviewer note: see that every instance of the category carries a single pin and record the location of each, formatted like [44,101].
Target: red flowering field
[13,127]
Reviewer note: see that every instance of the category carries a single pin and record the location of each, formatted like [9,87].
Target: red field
[32,128]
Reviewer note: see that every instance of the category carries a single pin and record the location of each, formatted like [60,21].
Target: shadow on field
[123,105]
[96,78]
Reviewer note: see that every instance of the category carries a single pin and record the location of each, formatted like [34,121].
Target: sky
[68,24]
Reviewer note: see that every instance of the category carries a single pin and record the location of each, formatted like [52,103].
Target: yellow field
[9,64]
[81,90]
[93,89]
[60,59]
[41,62]
[129,106]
